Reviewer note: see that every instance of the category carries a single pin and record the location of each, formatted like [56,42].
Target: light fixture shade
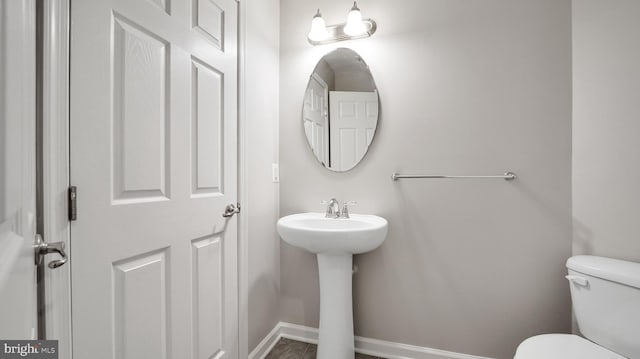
[355,26]
[318,30]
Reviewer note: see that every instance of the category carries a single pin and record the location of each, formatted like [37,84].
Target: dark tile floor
[291,349]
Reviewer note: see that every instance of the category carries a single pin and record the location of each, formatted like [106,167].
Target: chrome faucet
[333,209]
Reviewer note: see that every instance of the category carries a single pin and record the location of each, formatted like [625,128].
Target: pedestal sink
[335,241]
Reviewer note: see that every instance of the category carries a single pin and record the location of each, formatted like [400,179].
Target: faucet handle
[345,208]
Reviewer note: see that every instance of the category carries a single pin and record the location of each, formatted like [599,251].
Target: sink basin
[312,231]
[334,241]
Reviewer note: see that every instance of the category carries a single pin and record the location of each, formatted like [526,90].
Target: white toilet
[606,302]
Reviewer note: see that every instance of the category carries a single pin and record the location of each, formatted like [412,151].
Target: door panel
[153,154]
[207,140]
[140,92]
[140,295]
[18,319]
[208,284]
[354,116]
[208,17]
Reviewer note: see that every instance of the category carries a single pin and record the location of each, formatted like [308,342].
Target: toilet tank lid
[614,270]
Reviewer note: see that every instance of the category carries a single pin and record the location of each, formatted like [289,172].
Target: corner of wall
[260,62]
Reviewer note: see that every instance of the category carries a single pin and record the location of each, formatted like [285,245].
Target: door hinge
[72,203]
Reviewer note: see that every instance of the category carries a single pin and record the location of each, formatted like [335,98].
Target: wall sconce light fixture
[354,28]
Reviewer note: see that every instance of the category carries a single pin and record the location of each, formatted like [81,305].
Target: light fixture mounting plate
[336,33]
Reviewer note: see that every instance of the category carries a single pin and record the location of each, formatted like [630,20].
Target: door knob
[230,210]
[43,248]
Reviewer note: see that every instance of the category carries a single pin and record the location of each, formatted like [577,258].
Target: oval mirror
[340,110]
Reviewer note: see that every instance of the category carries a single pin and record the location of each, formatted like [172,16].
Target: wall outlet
[275,172]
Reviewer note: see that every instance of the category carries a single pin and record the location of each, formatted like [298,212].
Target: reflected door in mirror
[354,116]
[315,116]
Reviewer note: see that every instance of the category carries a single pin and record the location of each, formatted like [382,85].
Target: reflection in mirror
[340,110]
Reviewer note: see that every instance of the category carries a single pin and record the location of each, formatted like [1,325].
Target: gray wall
[466,87]
[261,205]
[358,81]
[326,74]
[606,128]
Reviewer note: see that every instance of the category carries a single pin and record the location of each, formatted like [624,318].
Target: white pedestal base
[335,338]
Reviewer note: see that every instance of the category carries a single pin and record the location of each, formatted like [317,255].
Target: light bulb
[355,26]
[318,30]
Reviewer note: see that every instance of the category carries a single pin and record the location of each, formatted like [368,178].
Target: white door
[314,114]
[18,318]
[354,116]
[154,157]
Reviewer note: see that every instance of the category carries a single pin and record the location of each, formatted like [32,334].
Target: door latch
[230,210]
[43,248]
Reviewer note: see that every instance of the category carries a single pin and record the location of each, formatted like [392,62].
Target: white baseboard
[375,347]
[265,346]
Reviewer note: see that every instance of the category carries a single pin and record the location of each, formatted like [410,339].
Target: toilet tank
[606,302]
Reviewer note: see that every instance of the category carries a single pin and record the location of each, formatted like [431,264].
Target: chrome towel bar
[507,176]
